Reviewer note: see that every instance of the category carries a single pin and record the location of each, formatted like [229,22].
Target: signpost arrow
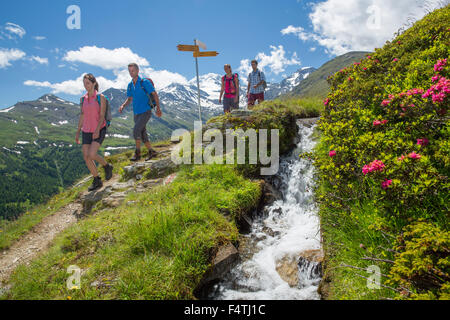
[205,54]
[196,51]
[186,47]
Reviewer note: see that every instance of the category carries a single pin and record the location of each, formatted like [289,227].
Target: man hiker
[140,91]
[230,85]
[256,85]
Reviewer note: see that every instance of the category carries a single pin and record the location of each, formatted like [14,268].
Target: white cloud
[117,61]
[360,25]
[39,38]
[163,78]
[39,60]
[105,58]
[75,87]
[12,31]
[276,62]
[8,55]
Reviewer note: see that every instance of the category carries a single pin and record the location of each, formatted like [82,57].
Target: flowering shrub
[386,118]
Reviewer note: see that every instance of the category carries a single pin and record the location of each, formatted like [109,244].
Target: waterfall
[278,256]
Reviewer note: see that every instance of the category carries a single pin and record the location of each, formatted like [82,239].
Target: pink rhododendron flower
[395,60]
[414,155]
[435,78]
[378,122]
[332,153]
[423,142]
[366,169]
[376,165]
[385,103]
[326,101]
[438,91]
[401,158]
[386,183]
[439,66]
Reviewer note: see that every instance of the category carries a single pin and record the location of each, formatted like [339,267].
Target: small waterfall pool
[278,255]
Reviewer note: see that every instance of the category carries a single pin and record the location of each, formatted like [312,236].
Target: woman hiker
[92,123]
[230,85]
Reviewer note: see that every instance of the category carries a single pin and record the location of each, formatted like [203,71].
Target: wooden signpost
[196,53]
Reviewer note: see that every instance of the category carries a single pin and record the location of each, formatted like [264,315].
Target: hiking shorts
[255,96]
[87,137]
[140,124]
[229,104]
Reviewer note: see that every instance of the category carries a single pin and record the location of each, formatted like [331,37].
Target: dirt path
[40,237]
[36,240]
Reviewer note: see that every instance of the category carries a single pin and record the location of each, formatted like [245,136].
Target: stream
[279,258]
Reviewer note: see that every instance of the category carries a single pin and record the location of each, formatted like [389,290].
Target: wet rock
[311,260]
[245,222]
[308,122]
[271,194]
[287,268]
[225,259]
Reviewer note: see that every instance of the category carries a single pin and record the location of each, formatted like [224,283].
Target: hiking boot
[151,154]
[108,171]
[96,184]
[137,155]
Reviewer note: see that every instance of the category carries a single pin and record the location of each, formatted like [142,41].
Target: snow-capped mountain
[50,119]
[274,90]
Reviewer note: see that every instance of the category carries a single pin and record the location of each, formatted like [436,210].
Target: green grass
[349,235]
[11,231]
[157,245]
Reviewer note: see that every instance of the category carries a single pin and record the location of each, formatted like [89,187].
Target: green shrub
[386,137]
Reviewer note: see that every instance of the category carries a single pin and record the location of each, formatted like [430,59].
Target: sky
[48,47]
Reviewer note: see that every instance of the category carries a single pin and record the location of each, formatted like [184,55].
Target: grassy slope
[316,84]
[158,244]
[403,229]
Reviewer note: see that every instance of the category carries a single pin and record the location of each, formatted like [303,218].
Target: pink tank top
[91,113]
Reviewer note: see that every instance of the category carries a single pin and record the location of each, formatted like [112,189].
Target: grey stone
[160,168]
[114,200]
[90,199]
[122,185]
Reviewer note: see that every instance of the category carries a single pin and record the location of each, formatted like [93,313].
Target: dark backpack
[108,116]
[259,76]
[151,99]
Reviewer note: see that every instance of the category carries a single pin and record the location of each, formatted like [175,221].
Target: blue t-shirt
[140,98]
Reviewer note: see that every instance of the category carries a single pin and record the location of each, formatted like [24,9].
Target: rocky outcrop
[308,264]
[223,261]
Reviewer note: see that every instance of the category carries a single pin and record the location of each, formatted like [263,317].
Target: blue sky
[39,54]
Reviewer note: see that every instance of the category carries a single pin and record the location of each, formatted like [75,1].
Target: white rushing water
[288,228]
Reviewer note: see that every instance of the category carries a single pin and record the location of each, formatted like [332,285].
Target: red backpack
[230,87]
